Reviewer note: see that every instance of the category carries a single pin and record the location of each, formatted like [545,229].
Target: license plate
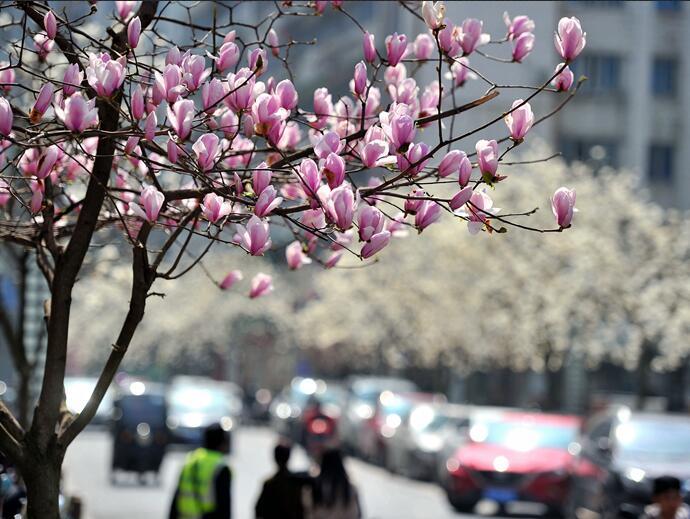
[500,495]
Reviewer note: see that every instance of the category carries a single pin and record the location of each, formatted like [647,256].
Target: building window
[594,152]
[597,3]
[661,163]
[664,77]
[668,5]
[603,73]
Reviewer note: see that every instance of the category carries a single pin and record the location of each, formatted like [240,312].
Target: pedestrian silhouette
[283,494]
[334,497]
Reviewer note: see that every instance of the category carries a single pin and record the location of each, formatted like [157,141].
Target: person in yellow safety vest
[203,491]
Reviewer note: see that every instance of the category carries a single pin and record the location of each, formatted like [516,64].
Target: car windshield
[523,436]
[654,440]
[145,408]
[199,400]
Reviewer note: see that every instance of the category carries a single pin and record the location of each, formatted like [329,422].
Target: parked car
[77,394]
[514,456]
[140,435]
[287,407]
[197,402]
[363,393]
[622,451]
[419,441]
[391,411]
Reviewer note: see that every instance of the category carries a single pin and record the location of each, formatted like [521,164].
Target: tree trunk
[41,473]
[643,377]
[24,397]
[553,397]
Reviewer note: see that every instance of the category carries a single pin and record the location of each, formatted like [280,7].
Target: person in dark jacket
[282,495]
[203,491]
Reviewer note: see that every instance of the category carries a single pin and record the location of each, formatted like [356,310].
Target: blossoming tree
[118,134]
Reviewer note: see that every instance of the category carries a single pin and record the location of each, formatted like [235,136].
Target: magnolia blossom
[327,144]
[72,79]
[255,237]
[461,198]
[37,193]
[519,120]
[105,75]
[517,26]
[43,45]
[427,213]
[125,7]
[229,281]
[569,38]
[487,156]
[378,241]
[150,126]
[396,45]
[471,35]
[262,284]
[340,206]
[295,256]
[133,32]
[47,160]
[287,94]
[228,56]
[215,207]
[257,61]
[448,39]
[370,222]
[137,103]
[194,71]
[563,206]
[207,149]
[5,193]
[45,97]
[6,117]
[375,153]
[78,114]
[273,42]
[333,167]
[414,160]
[522,46]
[360,79]
[50,24]
[240,90]
[369,47]
[167,86]
[267,202]
[212,92]
[423,46]
[480,209]
[433,14]
[152,201]
[451,163]
[323,108]
[7,76]
[564,80]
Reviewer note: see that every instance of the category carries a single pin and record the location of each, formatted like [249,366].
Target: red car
[514,456]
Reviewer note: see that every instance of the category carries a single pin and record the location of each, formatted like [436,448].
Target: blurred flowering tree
[111,133]
[613,290]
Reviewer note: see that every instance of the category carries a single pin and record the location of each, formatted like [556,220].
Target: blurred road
[384,496]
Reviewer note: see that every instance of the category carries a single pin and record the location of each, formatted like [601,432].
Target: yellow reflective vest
[196,490]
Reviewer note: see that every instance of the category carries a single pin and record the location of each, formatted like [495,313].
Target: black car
[621,453]
[140,434]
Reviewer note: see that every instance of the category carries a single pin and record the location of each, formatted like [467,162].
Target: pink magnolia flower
[464,171]
[396,45]
[5,193]
[78,114]
[424,46]
[257,61]
[405,92]
[378,241]
[6,117]
[37,191]
[267,113]
[428,213]
[295,256]
[569,39]
[267,202]
[150,127]
[228,281]
[564,80]
[341,205]
[451,163]
[207,149]
[327,144]
[323,108]
[261,178]
[522,46]
[447,39]
[50,24]
[212,93]
[241,90]
[334,258]
[310,177]
[173,150]
[167,86]
[255,237]
[228,56]
[215,207]
[47,160]
[520,120]
[487,156]
[72,79]
[399,127]
[433,14]
[333,167]
[459,72]
[375,153]
[471,35]
[194,71]
[105,75]
[287,94]
[262,284]
[518,25]
[273,42]
[124,8]
[7,76]
[229,124]
[397,226]
[461,198]
[180,117]
[369,47]
[479,211]
[360,79]
[563,206]
[152,201]
[414,201]
[133,32]
[137,103]
[370,222]
[413,161]
[43,45]
[45,97]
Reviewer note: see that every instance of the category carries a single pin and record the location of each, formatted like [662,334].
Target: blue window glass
[668,5]
[661,163]
[664,77]
[603,73]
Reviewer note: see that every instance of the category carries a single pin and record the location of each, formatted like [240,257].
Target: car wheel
[464,506]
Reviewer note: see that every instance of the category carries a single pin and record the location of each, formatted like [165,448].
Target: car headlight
[430,443]
[634,474]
